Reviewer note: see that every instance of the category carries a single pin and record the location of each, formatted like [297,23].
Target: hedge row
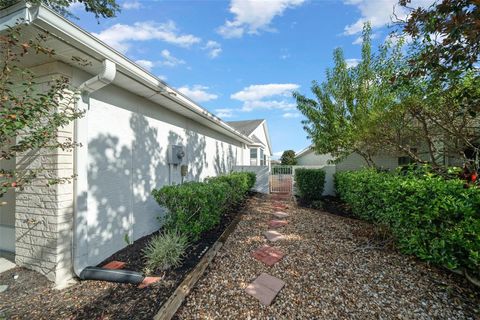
[435,219]
[310,183]
[196,207]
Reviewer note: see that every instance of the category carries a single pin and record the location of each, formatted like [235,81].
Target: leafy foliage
[381,106]
[30,118]
[100,8]
[288,158]
[310,183]
[165,251]
[196,207]
[435,219]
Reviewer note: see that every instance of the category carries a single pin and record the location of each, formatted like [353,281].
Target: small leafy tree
[339,118]
[288,158]
[100,8]
[30,116]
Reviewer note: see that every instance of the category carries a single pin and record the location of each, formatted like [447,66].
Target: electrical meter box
[175,154]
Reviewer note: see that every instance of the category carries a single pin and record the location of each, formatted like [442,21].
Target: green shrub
[239,182]
[165,251]
[310,183]
[436,219]
[196,207]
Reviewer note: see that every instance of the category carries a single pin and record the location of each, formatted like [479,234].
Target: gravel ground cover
[31,295]
[332,269]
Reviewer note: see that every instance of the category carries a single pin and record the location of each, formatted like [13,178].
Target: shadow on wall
[221,164]
[121,177]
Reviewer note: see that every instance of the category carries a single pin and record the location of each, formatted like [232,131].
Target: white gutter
[80,227]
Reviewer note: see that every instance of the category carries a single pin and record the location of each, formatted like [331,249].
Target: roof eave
[49,20]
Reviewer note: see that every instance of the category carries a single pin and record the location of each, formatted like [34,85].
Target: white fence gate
[281,179]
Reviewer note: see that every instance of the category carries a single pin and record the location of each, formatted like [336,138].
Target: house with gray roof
[260,150]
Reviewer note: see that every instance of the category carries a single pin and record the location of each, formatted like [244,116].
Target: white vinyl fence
[329,188]
[263,175]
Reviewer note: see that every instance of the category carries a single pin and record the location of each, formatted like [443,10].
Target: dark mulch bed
[330,204]
[31,296]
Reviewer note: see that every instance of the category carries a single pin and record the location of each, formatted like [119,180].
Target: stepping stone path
[277,223]
[273,235]
[280,214]
[268,255]
[148,281]
[265,288]
[114,265]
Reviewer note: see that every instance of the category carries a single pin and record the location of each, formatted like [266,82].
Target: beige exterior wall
[44,214]
[352,162]
[310,158]
[126,158]
[355,161]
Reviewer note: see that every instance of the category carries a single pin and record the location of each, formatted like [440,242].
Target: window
[253,156]
[406,160]
[262,158]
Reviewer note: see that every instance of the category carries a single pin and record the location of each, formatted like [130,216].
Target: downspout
[80,235]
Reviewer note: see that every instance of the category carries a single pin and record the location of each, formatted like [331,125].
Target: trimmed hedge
[310,183]
[196,207]
[435,219]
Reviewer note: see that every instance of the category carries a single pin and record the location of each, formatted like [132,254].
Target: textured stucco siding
[310,158]
[128,139]
[355,162]
[125,159]
[259,132]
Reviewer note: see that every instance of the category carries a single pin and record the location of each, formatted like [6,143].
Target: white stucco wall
[259,132]
[310,158]
[355,161]
[128,138]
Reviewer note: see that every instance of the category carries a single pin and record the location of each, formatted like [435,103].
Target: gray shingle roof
[246,127]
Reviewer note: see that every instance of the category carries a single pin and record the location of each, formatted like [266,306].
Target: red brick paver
[280,214]
[268,255]
[273,235]
[114,265]
[277,223]
[265,288]
[148,281]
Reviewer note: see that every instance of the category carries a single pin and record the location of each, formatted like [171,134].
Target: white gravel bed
[326,275]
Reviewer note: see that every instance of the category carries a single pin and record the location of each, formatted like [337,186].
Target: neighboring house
[136,135]
[260,152]
[308,157]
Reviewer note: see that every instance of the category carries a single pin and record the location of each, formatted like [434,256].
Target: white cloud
[120,36]
[135,4]
[224,113]
[352,62]
[268,104]
[162,77]
[379,13]
[260,91]
[147,64]
[252,16]
[291,115]
[278,153]
[266,96]
[214,49]
[198,93]
[169,60]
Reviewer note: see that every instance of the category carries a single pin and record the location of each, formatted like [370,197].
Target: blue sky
[241,59]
